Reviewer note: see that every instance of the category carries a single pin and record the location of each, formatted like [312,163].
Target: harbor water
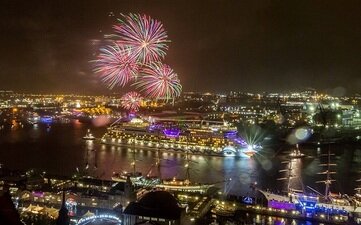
[58,148]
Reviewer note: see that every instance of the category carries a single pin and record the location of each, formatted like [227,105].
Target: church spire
[63,199]
[63,218]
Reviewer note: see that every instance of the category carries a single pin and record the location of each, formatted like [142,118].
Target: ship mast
[158,160]
[187,167]
[328,175]
[187,181]
[133,162]
[158,164]
[289,175]
[158,157]
[328,181]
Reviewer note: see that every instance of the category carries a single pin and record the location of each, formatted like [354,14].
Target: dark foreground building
[63,218]
[155,207]
[8,213]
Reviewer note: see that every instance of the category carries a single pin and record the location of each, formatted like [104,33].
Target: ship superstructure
[198,137]
[89,136]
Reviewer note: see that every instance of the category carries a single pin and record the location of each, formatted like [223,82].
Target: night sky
[228,45]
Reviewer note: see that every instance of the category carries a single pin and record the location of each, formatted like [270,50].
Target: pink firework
[159,81]
[116,65]
[131,101]
[144,35]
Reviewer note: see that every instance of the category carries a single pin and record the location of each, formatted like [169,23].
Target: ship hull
[89,138]
[289,203]
[198,188]
[228,151]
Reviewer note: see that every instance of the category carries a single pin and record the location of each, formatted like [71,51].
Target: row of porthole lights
[167,146]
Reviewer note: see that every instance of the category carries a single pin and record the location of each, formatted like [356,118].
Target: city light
[129,112]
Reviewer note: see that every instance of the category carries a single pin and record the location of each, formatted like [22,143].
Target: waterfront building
[82,197]
[159,207]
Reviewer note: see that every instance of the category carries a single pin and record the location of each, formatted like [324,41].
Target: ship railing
[297,191]
[115,122]
[327,172]
[324,155]
[328,164]
[286,178]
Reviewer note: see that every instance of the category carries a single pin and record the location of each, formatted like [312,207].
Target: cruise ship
[194,136]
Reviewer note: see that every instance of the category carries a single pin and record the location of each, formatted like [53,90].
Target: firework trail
[131,101]
[116,65]
[159,81]
[145,36]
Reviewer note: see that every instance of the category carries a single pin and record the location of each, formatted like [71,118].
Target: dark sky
[216,45]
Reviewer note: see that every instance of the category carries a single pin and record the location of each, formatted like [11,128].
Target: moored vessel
[194,137]
[88,135]
[184,185]
[312,203]
[296,153]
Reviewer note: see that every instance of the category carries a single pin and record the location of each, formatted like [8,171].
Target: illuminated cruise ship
[194,136]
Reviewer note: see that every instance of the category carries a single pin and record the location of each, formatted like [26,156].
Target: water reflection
[256,219]
[63,149]
[295,174]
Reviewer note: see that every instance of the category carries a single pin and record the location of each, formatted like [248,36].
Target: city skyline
[173,112]
[294,45]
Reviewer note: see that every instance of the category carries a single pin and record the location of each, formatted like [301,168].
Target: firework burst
[159,81]
[144,35]
[116,65]
[131,101]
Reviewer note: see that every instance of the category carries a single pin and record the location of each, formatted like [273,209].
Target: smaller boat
[33,119]
[89,136]
[46,119]
[296,153]
[122,176]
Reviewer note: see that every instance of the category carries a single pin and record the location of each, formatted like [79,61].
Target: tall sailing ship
[312,202]
[150,181]
[197,137]
[183,185]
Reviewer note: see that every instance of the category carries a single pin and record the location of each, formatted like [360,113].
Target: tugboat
[89,136]
[296,154]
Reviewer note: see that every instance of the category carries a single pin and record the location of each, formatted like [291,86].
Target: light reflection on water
[256,219]
[60,149]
